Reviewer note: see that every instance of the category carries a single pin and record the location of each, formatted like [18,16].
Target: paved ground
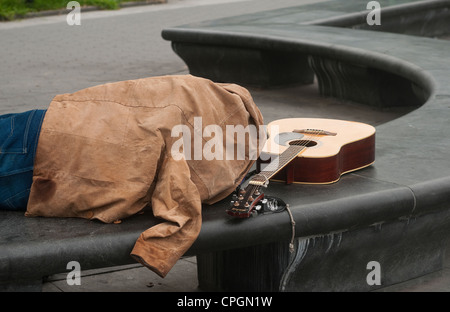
[42,57]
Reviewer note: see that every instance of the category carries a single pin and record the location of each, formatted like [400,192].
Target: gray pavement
[42,57]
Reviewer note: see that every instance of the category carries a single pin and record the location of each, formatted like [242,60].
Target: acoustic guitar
[306,150]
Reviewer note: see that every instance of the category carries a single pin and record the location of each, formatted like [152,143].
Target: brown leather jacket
[105,153]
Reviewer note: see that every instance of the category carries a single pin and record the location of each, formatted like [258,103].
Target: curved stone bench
[395,212]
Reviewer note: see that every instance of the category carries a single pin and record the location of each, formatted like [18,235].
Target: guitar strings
[313,135]
[302,143]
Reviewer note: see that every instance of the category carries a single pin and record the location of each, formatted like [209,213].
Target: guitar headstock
[244,201]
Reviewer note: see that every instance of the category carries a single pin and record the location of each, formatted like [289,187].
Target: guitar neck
[277,164]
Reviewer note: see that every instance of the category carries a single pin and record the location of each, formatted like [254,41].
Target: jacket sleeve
[175,200]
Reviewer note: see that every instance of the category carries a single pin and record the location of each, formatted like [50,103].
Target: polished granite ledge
[395,212]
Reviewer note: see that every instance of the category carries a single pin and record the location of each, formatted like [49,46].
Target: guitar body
[305,150]
[340,147]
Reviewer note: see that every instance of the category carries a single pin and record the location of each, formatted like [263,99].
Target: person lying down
[109,151]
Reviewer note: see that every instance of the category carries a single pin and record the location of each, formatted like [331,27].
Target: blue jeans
[19,134]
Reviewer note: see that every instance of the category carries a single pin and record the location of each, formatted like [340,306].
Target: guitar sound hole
[307,143]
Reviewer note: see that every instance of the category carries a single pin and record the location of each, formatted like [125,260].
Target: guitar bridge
[315,132]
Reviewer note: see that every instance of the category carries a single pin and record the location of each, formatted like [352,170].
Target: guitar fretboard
[277,164]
